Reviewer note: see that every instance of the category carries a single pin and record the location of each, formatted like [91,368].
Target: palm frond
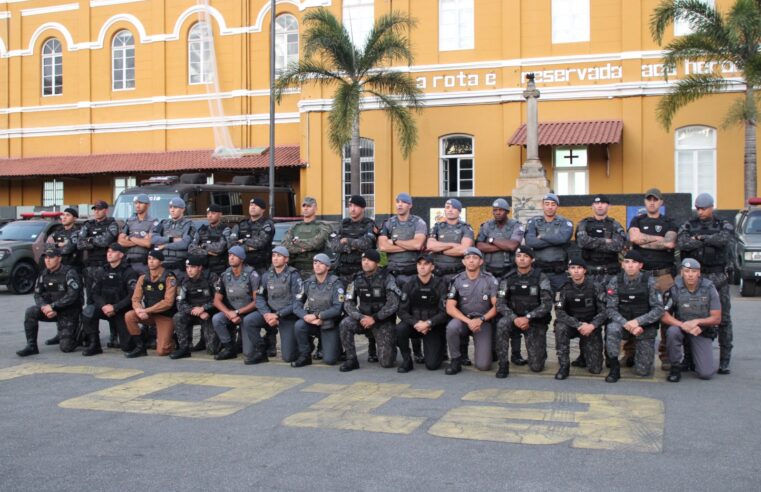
[741,110]
[404,124]
[305,71]
[400,85]
[345,108]
[326,37]
[700,16]
[687,90]
[386,42]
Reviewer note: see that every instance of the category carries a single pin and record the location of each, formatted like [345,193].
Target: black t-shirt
[655,259]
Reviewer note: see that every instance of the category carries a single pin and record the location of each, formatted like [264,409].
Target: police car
[746,256]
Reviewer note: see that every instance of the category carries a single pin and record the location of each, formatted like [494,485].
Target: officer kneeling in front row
[580,311]
[57,299]
[695,313]
[195,305]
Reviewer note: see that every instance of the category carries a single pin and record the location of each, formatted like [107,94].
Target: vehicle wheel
[747,287]
[23,277]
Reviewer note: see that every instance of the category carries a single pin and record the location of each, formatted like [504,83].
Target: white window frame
[570,21]
[52,57]
[456,25]
[359,19]
[121,183]
[366,186]
[694,188]
[560,168]
[52,193]
[444,158]
[123,51]
[200,37]
[682,27]
[286,41]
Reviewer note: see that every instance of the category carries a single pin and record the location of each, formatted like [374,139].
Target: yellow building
[118,77]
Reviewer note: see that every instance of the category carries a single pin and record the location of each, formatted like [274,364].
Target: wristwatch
[237,312]
[393,241]
[491,240]
[528,316]
[482,318]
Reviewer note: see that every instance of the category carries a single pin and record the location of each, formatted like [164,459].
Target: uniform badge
[658,228]
[148,287]
[161,286]
[485,297]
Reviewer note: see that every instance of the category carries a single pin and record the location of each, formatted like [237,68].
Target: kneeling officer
[195,305]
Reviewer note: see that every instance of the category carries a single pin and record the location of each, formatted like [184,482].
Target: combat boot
[518,359]
[675,374]
[372,350]
[228,351]
[580,361]
[406,365]
[464,359]
[455,366]
[615,371]
[31,343]
[93,345]
[113,339]
[272,343]
[724,365]
[260,354]
[180,353]
[349,365]
[139,349]
[629,361]
[417,351]
[303,360]
[201,345]
[53,341]
[239,342]
[564,371]
[503,370]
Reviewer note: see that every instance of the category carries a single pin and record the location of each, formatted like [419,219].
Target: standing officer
[580,309]
[57,298]
[471,302]
[65,239]
[550,237]
[112,298]
[279,286]
[449,240]
[255,235]
[654,235]
[136,236]
[525,303]
[153,304]
[706,239]
[195,305]
[235,299]
[693,310]
[498,239]
[172,236]
[635,305]
[423,315]
[210,241]
[601,239]
[95,237]
[372,300]
[318,307]
[306,239]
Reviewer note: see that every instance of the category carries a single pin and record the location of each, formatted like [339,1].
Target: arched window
[52,68]
[695,160]
[200,54]
[358,19]
[456,175]
[286,41]
[366,174]
[123,61]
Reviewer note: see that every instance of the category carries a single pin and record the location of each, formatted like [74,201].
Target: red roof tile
[185,160]
[597,132]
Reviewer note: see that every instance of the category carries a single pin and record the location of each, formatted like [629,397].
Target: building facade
[115,77]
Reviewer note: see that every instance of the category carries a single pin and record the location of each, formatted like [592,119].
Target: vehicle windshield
[753,224]
[123,208]
[21,231]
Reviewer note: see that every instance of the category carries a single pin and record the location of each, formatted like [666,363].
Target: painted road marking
[40,368]
[350,407]
[589,421]
[132,397]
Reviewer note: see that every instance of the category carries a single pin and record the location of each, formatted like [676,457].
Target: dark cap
[358,200]
[654,192]
[635,256]
[526,250]
[427,257]
[195,260]
[372,255]
[117,247]
[156,253]
[578,261]
[99,205]
[454,203]
[51,250]
[214,208]
[72,211]
[601,199]
[258,202]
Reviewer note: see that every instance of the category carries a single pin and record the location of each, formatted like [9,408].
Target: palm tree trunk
[750,150]
[354,169]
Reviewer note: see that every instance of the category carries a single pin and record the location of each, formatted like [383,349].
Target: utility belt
[407,270]
[604,270]
[447,270]
[661,271]
[551,266]
[475,315]
[714,269]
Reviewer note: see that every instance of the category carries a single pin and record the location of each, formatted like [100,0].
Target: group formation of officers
[154,280]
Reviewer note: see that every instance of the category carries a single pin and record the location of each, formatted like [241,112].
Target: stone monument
[531,185]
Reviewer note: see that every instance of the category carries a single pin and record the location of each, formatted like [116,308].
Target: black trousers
[434,343]
[91,317]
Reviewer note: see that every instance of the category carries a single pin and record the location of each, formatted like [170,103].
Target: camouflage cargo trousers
[590,346]
[644,346]
[183,328]
[383,332]
[66,321]
[536,342]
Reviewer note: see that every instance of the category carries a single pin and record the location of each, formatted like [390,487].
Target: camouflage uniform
[361,237]
[94,239]
[303,241]
[193,293]
[256,238]
[576,304]
[550,241]
[528,295]
[69,252]
[376,296]
[634,298]
[211,242]
[175,235]
[600,242]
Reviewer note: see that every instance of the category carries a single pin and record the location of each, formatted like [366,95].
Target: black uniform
[256,237]
[211,242]
[193,293]
[94,239]
[600,242]
[112,286]
[69,251]
[576,304]
[361,237]
[423,302]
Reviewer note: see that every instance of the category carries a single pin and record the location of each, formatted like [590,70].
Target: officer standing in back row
[255,235]
[306,239]
[172,236]
[136,236]
[95,237]
[210,241]
[550,236]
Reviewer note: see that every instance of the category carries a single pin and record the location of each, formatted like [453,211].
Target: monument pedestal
[530,188]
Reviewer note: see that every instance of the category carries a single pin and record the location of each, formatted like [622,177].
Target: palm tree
[733,37]
[332,59]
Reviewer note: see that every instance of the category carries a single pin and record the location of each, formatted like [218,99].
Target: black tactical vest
[707,255]
[60,235]
[113,286]
[655,259]
[208,234]
[154,291]
[424,298]
[524,293]
[199,290]
[633,297]
[370,293]
[246,229]
[580,303]
[95,228]
[52,285]
[600,229]
[351,262]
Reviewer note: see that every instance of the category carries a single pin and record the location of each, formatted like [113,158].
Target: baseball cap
[601,199]
[51,250]
[428,257]
[655,192]
[99,205]
[501,203]
[141,198]
[309,200]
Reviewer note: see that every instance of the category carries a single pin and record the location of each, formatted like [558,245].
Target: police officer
[136,236]
[498,239]
[550,237]
[153,303]
[422,312]
[65,239]
[210,241]
[195,305]
[693,310]
[235,299]
[306,239]
[112,298]
[525,303]
[57,298]
[318,307]
[172,236]
[372,300]
[654,236]
[471,302]
[580,310]
[706,239]
[449,240]
[95,237]
[255,235]
[601,239]
[279,286]
[635,305]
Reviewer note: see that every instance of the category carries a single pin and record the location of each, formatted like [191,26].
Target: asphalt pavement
[108,423]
